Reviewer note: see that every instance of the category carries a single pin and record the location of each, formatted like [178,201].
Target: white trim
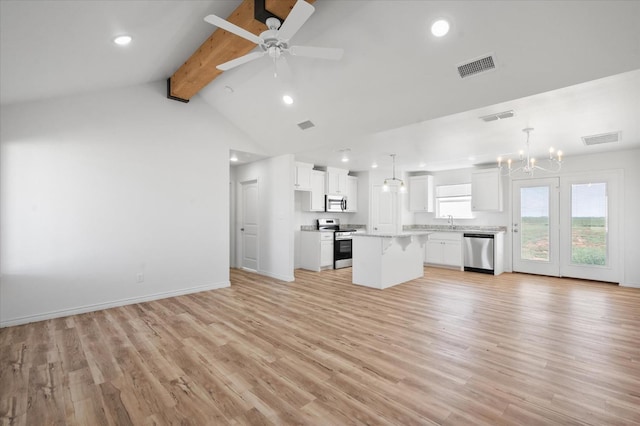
[287,278]
[112,304]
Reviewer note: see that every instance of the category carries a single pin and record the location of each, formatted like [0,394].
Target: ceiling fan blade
[241,60]
[297,17]
[317,52]
[233,28]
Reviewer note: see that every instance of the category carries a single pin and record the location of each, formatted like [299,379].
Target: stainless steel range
[342,242]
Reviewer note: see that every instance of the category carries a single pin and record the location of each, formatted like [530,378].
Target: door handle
[515,230]
[242,229]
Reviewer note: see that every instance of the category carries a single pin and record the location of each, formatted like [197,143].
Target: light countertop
[391,235]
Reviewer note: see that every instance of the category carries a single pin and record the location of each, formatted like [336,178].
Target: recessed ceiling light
[233,158]
[440,28]
[287,99]
[374,166]
[122,40]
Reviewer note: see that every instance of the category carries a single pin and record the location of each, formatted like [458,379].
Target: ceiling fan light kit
[275,40]
[527,165]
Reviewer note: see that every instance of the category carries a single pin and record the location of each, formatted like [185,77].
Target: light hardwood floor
[452,348]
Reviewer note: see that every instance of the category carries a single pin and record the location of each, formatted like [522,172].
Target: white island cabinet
[384,260]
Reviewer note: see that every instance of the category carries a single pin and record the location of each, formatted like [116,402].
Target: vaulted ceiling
[568,69]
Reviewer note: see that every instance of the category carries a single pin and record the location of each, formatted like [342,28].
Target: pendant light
[397,184]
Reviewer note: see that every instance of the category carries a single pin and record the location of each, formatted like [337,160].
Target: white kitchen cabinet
[336,181]
[316,250]
[313,200]
[352,194]
[302,176]
[421,193]
[486,191]
[444,248]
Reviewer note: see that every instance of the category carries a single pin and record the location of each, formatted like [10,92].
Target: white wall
[276,201]
[97,189]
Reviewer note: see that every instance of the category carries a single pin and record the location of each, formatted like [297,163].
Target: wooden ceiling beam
[222,46]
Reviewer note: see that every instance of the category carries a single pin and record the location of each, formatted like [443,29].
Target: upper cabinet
[302,178]
[352,194]
[313,200]
[336,181]
[421,193]
[486,190]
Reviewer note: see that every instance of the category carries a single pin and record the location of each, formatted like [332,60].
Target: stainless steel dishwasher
[478,253]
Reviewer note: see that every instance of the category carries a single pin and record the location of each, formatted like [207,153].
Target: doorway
[385,217]
[536,237]
[590,239]
[568,226]
[249,229]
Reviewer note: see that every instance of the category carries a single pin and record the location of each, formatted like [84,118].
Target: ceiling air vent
[476,66]
[498,116]
[306,125]
[600,139]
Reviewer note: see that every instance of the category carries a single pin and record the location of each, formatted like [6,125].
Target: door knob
[242,229]
[515,230]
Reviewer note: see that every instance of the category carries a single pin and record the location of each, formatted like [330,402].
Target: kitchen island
[384,260]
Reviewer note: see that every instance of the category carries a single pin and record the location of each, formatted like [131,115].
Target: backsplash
[456,228]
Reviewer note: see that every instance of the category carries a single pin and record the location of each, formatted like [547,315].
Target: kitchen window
[454,200]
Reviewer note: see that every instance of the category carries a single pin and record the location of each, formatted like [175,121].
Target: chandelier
[527,164]
[396,183]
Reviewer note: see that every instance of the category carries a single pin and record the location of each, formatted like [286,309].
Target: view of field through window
[588,223]
[534,209]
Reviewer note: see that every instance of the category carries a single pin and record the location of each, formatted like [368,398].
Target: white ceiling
[568,69]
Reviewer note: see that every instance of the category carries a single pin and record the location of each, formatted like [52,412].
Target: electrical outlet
[140,277]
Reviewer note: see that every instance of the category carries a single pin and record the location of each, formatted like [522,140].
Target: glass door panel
[590,227]
[535,226]
[589,224]
[534,223]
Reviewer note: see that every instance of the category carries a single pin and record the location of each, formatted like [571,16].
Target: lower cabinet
[316,250]
[444,248]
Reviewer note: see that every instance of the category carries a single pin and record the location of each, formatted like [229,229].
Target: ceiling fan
[275,40]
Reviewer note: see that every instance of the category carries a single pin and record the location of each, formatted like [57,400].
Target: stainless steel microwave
[335,203]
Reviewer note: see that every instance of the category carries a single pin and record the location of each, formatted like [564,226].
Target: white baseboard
[287,278]
[630,285]
[112,304]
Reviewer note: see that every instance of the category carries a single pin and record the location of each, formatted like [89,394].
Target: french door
[536,237]
[567,226]
[590,239]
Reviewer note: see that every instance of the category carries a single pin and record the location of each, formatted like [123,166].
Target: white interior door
[249,225]
[589,223]
[536,238]
[384,210]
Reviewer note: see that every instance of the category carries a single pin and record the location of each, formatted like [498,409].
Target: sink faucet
[450,221]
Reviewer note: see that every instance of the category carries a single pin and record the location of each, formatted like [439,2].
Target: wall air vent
[498,116]
[602,138]
[306,125]
[476,66]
